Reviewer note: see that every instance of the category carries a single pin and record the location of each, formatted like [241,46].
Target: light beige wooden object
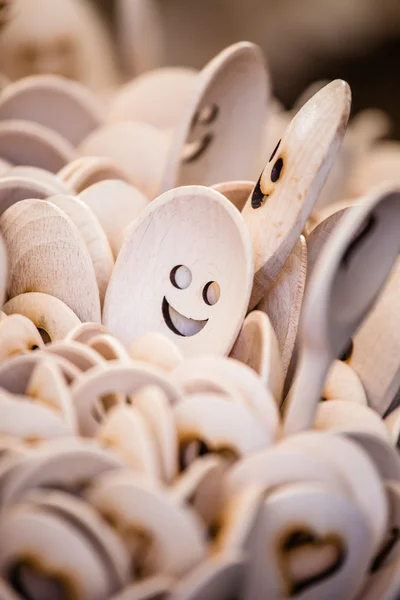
[93,235]
[342,383]
[5,166]
[38,261]
[176,536]
[89,170]
[237,192]
[42,176]
[109,347]
[157,350]
[291,182]
[49,387]
[217,578]
[90,387]
[375,353]
[46,312]
[152,588]
[344,416]
[62,105]
[26,143]
[155,408]
[257,346]
[202,269]
[135,19]
[126,432]
[282,303]
[116,204]
[139,149]
[317,238]
[218,136]
[69,40]
[318,544]
[80,355]
[15,373]
[18,335]
[84,332]
[139,100]
[351,271]
[356,470]
[14,188]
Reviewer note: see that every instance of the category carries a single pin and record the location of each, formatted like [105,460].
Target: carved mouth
[179,324]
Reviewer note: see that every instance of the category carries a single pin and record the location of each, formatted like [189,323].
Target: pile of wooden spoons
[198,362]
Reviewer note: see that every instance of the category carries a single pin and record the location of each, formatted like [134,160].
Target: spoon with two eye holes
[346,281]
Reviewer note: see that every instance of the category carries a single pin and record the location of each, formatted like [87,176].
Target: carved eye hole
[347,352]
[277,170]
[180,277]
[258,198]
[211,293]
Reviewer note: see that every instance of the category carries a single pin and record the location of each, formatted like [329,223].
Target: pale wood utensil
[84,332]
[16,372]
[91,170]
[218,137]
[375,355]
[65,106]
[109,347]
[155,408]
[42,175]
[257,346]
[18,335]
[116,204]
[352,269]
[157,350]
[46,312]
[324,545]
[251,390]
[237,192]
[138,100]
[139,149]
[317,238]
[27,143]
[80,355]
[344,416]
[283,302]
[32,230]
[90,387]
[357,471]
[342,383]
[199,306]
[49,387]
[14,188]
[215,423]
[292,180]
[49,532]
[152,588]
[93,235]
[126,432]
[174,533]
[217,578]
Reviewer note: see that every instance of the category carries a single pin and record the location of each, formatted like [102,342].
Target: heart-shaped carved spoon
[284,196]
[353,266]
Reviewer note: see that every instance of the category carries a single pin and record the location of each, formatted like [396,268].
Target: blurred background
[303,40]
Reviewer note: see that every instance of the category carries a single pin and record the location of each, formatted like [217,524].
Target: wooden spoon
[291,182]
[354,264]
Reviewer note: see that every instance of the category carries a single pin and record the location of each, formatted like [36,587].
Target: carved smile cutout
[178,323]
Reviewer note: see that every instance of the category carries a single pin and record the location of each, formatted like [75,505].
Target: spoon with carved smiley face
[352,269]
[283,198]
[185,270]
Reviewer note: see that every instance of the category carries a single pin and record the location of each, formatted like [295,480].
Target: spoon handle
[303,397]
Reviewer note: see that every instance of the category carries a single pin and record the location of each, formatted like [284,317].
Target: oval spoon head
[93,169]
[138,100]
[14,188]
[342,383]
[157,350]
[32,231]
[219,136]
[355,262]
[42,176]
[65,106]
[49,314]
[27,143]
[291,182]
[116,205]
[202,273]
[138,148]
